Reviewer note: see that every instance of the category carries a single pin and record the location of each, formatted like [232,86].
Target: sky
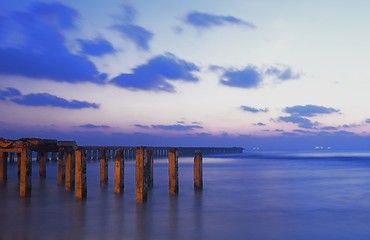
[259,74]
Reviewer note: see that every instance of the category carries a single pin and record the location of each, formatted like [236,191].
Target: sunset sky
[257,74]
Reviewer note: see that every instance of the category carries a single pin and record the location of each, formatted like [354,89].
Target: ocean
[255,195]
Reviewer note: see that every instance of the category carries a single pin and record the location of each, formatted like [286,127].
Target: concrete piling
[11,157]
[54,156]
[198,171]
[103,166]
[25,172]
[41,158]
[70,170]
[80,174]
[149,168]
[19,163]
[119,172]
[61,166]
[141,183]
[173,186]
[3,167]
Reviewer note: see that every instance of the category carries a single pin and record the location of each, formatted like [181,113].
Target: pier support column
[41,158]
[25,172]
[103,166]
[141,184]
[11,157]
[119,172]
[54,156]
[198,171]
[173,179]
[19,156]
[149,168]
[61,166]
[80,174]
[70,170]
[3,167]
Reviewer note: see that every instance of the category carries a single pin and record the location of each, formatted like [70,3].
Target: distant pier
[72,163]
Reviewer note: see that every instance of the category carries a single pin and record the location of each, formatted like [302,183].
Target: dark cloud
[93,126]
[249,77]
[309,110]
[301,121]
[253,110]
[367,120]
[205,20]
[34,47]
[282,73]
[97,47]
[43,99]
[156,74]
[135,33]
[259,124]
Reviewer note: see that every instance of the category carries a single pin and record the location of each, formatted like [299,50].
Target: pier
[72,161]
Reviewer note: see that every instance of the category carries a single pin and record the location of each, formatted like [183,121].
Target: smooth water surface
[246,196]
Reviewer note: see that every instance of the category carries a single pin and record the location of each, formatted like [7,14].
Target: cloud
[179,126]
[92,126]
[252,109]
[329,128]
[155,74]
[33,45]
[97,47]
[301,121]
[259,124]
[9,92]
[252,76]
[283,73]
[135,33]
[205,20]
[43,99]
[367,120]
[55,13]
[142,126]
[249,77]
[309,110]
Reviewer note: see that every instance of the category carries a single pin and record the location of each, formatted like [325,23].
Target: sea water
[254,195]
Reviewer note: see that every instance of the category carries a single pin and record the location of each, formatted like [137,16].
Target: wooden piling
[103,166]
[41,158]
[25,172]
[198,171]
[61,166]
[173,186]
[119,172]
[141,184]
[80,174]
[70,170]
[3,167]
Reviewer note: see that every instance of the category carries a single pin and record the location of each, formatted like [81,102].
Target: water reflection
[198,215]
